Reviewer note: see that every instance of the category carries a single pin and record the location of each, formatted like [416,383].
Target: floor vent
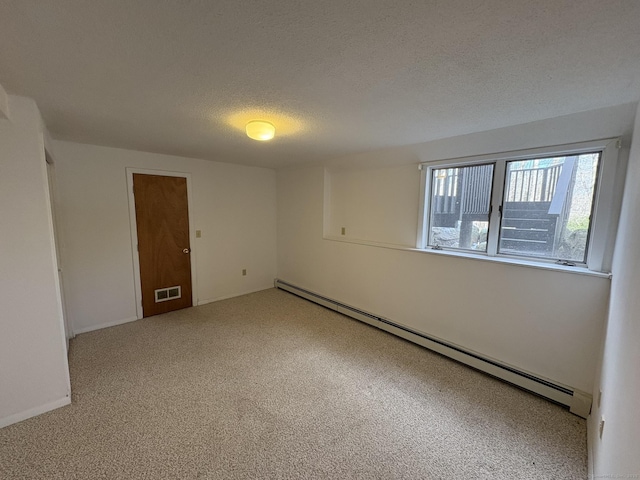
[169,293]
[578,402]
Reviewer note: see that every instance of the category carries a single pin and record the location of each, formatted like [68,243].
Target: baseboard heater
[578,402]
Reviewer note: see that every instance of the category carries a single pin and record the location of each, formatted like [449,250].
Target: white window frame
[602,222]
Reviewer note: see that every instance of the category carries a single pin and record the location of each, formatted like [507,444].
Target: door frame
[134,233]
[55,223]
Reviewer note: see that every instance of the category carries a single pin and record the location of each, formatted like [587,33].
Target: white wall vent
[169,293]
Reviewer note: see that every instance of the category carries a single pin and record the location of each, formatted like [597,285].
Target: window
[460,200]
[547,206]
[550,205]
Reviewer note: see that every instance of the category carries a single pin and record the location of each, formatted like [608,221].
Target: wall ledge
[472,256]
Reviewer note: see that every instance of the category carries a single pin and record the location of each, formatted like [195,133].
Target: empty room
[355,240]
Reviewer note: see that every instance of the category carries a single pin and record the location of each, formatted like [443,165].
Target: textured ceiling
[334,76]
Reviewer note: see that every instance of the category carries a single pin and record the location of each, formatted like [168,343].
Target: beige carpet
[271,386]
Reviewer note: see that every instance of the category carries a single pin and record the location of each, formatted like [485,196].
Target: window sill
[474,256]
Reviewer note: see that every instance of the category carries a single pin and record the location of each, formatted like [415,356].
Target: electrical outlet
[599,398]
[344,231]
[601,429]
[244,272]
[198,233]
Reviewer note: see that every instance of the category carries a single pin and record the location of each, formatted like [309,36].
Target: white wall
[616,454]
[579,127]
[34,374]
[387,196]
[545,322]
[234,206]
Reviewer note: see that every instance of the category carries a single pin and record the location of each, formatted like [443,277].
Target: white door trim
[134,233]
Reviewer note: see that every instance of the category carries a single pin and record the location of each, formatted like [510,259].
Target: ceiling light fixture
[260,130]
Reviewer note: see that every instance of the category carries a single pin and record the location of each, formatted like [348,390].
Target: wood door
[162,220]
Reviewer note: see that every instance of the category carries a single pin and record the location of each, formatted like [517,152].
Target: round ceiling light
[260,130]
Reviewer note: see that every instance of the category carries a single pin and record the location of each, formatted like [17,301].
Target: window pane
[459,207]
[547,207]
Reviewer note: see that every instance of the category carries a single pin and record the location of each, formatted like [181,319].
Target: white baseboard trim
[32,412]
[578,402]
[78,331]
[217,299]
[100,326]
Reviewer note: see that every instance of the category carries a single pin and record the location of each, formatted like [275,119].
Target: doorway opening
[162,239]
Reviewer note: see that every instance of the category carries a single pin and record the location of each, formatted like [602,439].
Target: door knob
[185,250]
